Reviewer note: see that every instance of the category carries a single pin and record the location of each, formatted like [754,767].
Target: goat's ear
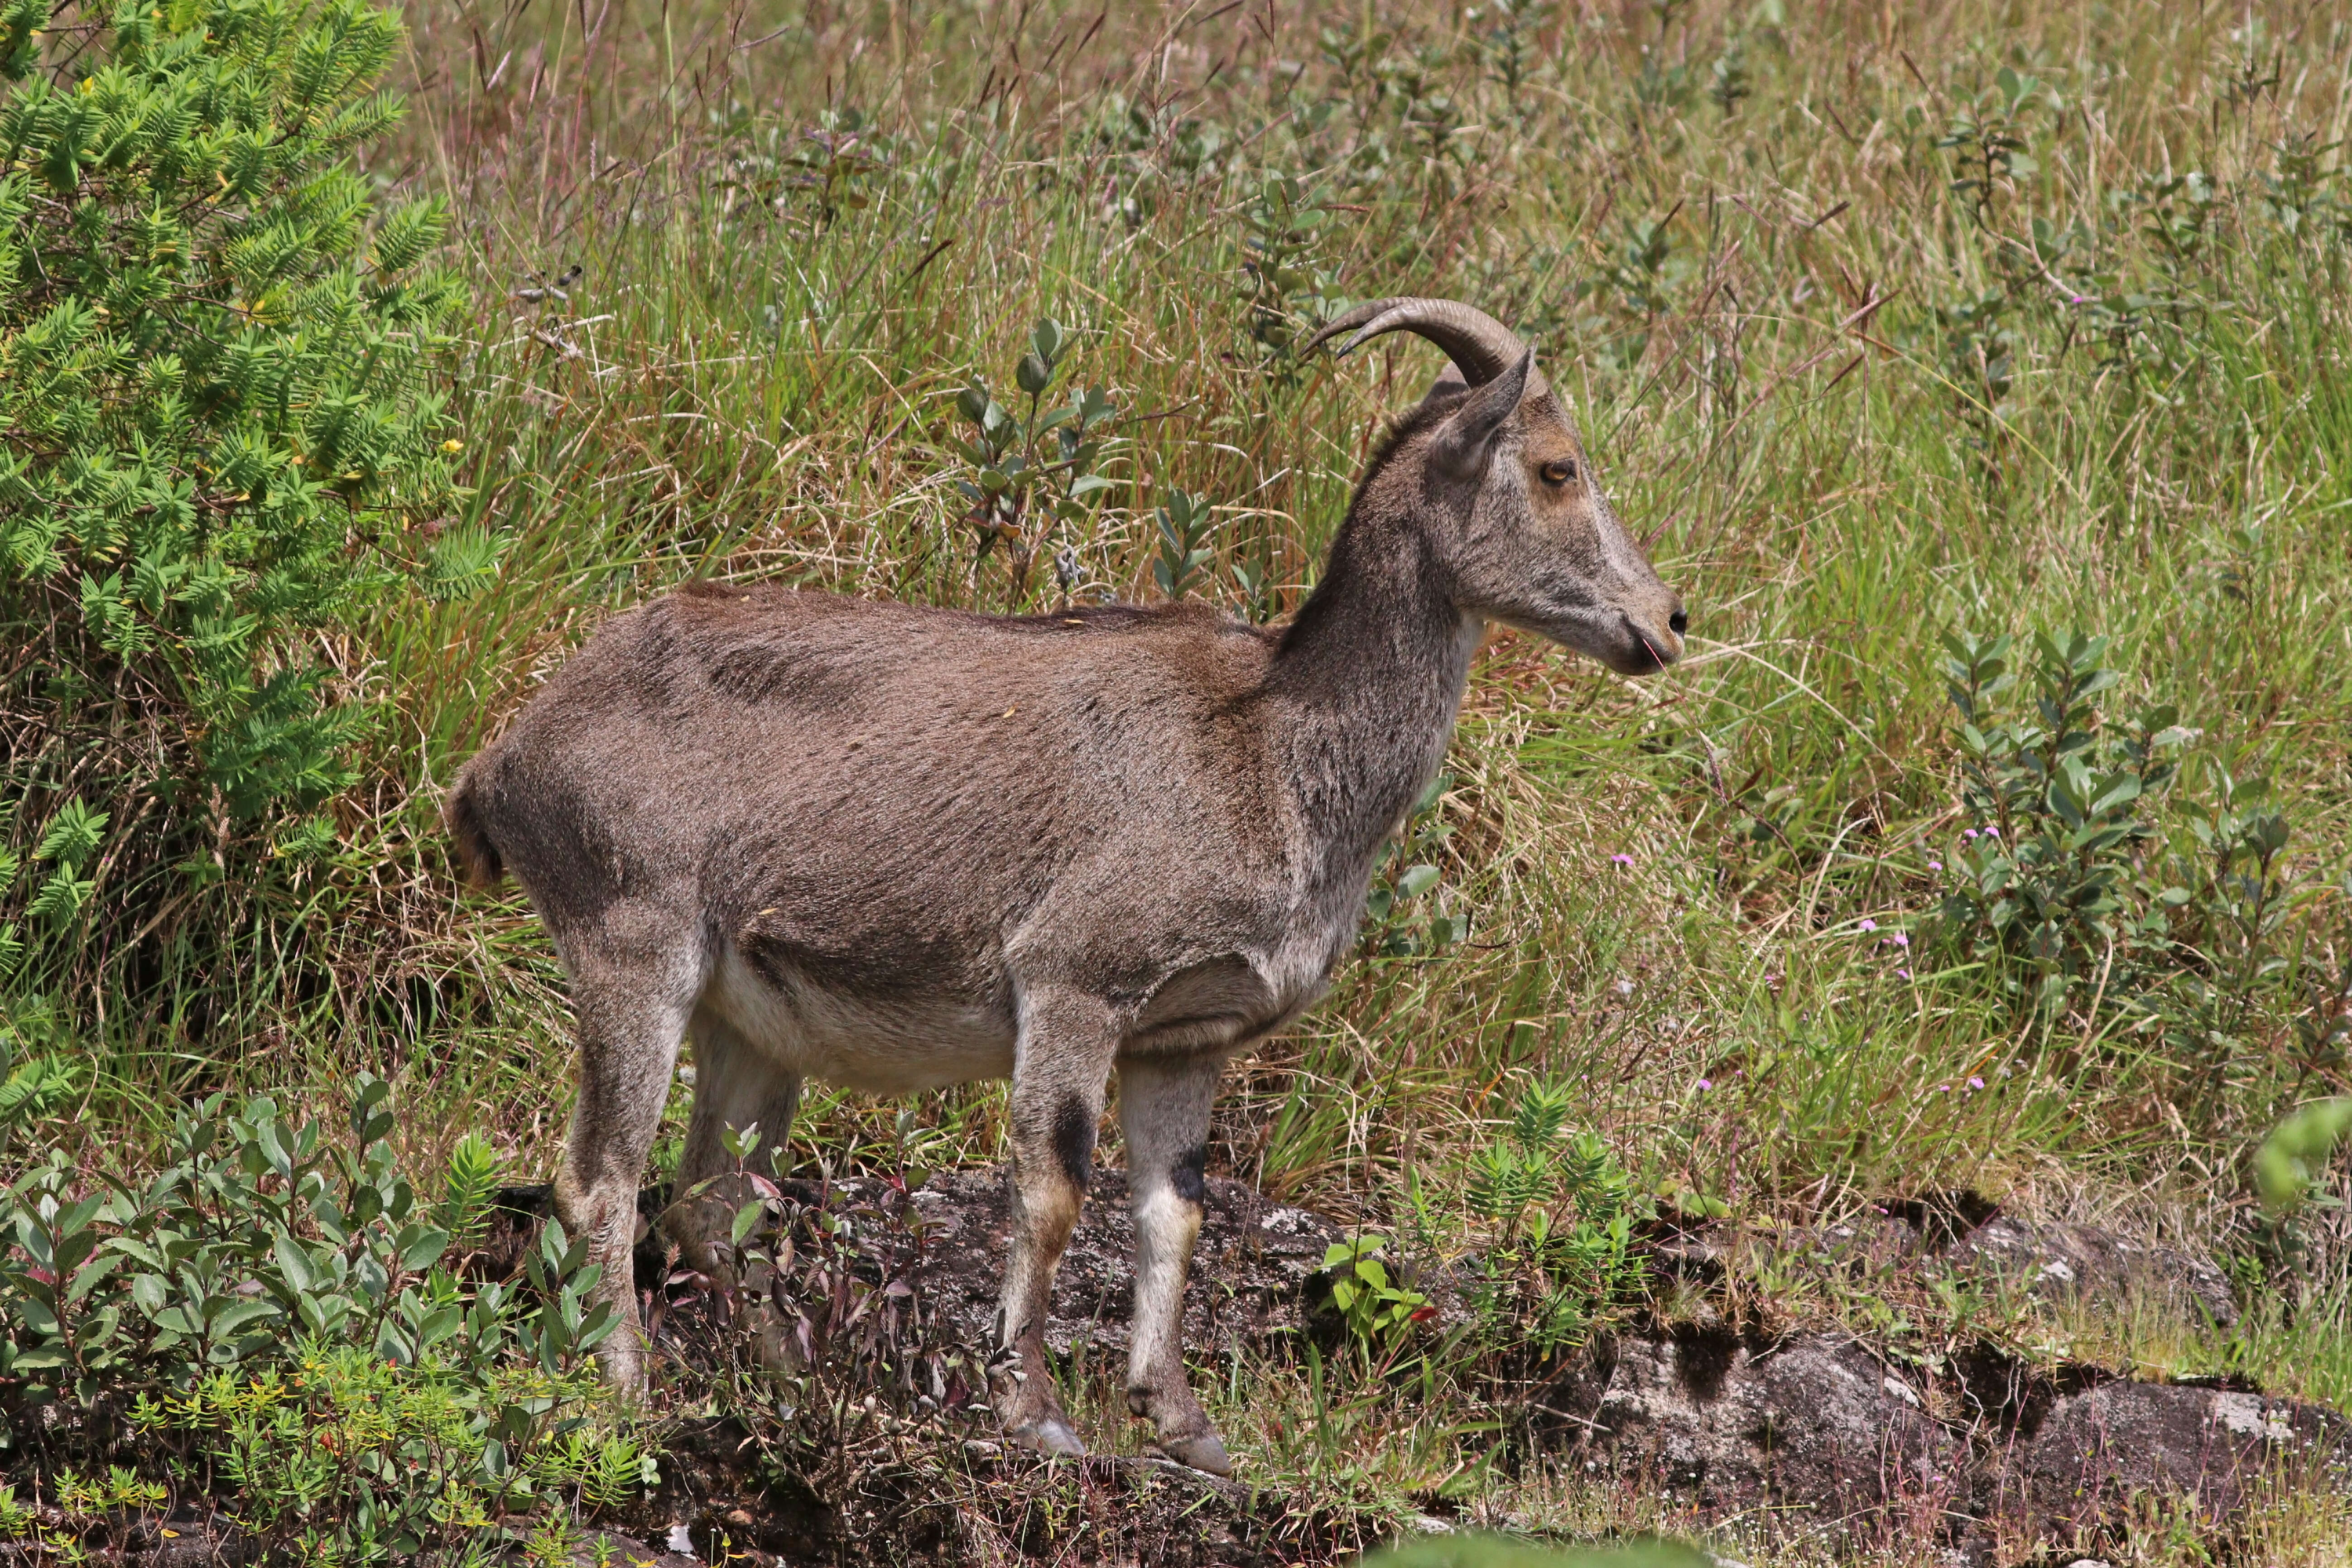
[1464,443]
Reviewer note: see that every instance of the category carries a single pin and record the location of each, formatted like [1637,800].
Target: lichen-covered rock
[1812,1421]
[2080,1260]
[2097,1450]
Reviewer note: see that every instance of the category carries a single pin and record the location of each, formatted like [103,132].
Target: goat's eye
[1558,473]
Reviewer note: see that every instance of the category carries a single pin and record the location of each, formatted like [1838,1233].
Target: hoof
[1204,1453]
[1050,1435]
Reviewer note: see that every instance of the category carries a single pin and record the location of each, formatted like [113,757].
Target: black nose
[1679,622]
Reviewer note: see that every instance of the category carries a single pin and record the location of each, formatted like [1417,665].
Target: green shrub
[281,1314]
[216,437]
[1562,1209]
[2095,868]
[1035,475]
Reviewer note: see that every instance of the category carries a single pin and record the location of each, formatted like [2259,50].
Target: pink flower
[1935,865]
[1706,1083]
[1992,833]
[1976,1083]
[1968,833]
[1620,859]
[1869,925]
[1943,1088]
[1904,973]
[1900,939]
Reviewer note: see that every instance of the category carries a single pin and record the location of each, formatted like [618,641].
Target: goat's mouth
[1647,653]
[1615,640]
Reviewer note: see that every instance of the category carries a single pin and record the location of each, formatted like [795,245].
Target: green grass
[1832,461]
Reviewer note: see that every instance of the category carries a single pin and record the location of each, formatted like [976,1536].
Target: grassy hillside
[1893,329]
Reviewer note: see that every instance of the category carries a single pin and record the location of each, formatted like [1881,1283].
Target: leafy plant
[2291,1157]
[346,1452]
[215,361]
[1508,40]
[1049,460]
[282,1313]
[1391,926]
[1728,83]
[2067,871]
[222,437]
[1987,139]
[827,168]
[1376,1308]
[1185,522]
[1285,291]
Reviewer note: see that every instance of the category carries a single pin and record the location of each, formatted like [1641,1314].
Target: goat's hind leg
[632,1002]
[1163,1109]
[1061,1069]
[739,1087]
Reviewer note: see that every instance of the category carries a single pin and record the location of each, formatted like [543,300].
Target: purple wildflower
[1904,973]
[1976,1083]
[1935,865]
[1900,939]
[1869,925]
[1992,833]
[1706,1083]
[1620,859]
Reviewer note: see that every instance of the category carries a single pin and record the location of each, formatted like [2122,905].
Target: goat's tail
[477,857]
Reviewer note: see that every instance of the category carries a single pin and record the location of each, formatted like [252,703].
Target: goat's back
[889,790]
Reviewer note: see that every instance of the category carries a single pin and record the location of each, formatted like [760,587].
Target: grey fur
[898,848]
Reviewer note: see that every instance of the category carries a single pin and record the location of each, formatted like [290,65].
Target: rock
[2079,1260]
[1988,1448]
[1813,1422]
[2095,1450]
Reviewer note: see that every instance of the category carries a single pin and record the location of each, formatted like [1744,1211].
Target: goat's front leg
[1061,1067]
[1163,1108]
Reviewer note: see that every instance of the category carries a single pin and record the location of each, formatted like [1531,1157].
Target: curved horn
[1479,345]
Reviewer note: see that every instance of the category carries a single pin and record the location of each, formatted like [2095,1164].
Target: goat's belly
[875,1045]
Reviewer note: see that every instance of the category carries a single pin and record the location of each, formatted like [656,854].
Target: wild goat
[895,848]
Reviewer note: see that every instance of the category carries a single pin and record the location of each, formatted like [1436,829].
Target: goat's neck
[1368,681]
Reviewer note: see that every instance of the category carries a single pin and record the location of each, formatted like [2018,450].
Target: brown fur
[898,847]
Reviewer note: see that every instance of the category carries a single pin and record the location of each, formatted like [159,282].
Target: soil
[1978,1454]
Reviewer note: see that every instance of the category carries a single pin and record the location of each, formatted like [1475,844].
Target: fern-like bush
[1562,1211]
[215,438]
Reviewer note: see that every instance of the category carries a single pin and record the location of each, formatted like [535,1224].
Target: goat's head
[1494,474]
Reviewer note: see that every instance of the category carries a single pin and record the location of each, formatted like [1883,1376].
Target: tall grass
[731,264]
